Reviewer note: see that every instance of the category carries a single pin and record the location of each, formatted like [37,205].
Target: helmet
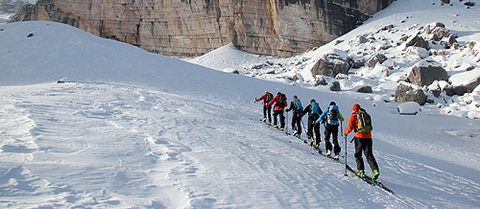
[355,107]
[333,103]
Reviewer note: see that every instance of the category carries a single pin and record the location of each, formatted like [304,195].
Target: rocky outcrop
[330,65]
[190,28]
[365,89]
[406,92]
[426,72]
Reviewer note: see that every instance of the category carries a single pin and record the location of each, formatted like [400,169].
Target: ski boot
[375,174]
[328,154]
[360,173]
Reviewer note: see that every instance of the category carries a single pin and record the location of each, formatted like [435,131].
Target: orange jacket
[352,126]
[278,105]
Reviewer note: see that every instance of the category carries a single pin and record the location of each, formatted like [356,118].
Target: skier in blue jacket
[331,118]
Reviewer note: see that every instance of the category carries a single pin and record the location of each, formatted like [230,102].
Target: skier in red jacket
[267,109]
[280,102]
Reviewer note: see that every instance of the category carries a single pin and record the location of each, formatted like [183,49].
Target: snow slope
[131,129]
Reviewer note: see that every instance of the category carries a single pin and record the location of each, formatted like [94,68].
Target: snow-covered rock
[427,71]
[407,92]
[465,82]
[330,65]
[408,108]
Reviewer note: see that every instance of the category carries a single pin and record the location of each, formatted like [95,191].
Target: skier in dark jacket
[314,111]
[296,106]
[267,109]
[331,117]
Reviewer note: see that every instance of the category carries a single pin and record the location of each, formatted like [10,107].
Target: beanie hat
[355,107]
[333,103]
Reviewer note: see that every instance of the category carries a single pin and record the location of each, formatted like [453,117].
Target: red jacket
[278,105]
[352,126]
[264,98]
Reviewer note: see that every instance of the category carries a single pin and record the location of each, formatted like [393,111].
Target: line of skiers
[331,117]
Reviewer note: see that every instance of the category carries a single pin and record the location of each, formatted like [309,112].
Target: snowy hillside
[131,129]
[383,34]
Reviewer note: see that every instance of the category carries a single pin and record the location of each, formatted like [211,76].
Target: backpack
[282,100]
[269,98]
[298,104]
[332,115]
[364,121]
[315,108]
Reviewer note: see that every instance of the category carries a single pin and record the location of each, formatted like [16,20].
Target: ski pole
[345,155]
[286,128]
[341,127]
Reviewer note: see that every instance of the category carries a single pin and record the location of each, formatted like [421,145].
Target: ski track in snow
[86,145]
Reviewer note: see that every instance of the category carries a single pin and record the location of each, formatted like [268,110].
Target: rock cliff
[194,27]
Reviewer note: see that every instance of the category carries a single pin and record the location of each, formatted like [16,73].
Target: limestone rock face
[194,27]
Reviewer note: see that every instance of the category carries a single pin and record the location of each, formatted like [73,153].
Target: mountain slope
[134,129]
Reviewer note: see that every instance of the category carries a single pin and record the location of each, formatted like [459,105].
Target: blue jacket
[325,116]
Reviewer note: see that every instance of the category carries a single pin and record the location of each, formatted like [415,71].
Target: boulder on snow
[427,71]
[358,40]
[445,1]
[417,51]
[358,63]
[406,92]
[408,108]
[469,4]
[418,41]
[451,42]
[330,65]
[431,26]
[437,87]
[365,89]
[464,82]
[320,80]
[335,86]
[378,58]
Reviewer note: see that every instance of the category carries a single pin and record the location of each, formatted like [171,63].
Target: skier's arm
[261,98]
[340,116]
[351,124]
[273,101]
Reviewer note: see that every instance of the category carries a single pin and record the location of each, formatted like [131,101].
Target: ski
[370,181]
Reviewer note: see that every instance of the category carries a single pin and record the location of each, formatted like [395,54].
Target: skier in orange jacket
[363,142]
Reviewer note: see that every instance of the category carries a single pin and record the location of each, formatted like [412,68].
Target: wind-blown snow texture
[131,129]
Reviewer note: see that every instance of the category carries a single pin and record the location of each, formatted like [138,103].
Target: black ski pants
[282,118]
[364,145]
[297,121]
[314,128]
[267,112]
[332,130]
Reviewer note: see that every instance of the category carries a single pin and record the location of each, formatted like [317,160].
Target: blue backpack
[298,104]
[333,115]
[315,108]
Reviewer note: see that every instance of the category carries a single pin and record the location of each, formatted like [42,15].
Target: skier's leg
[328,145]
[336,146]
[269,110]
[275,113]
[369,154]
[282,119]
[358,154]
